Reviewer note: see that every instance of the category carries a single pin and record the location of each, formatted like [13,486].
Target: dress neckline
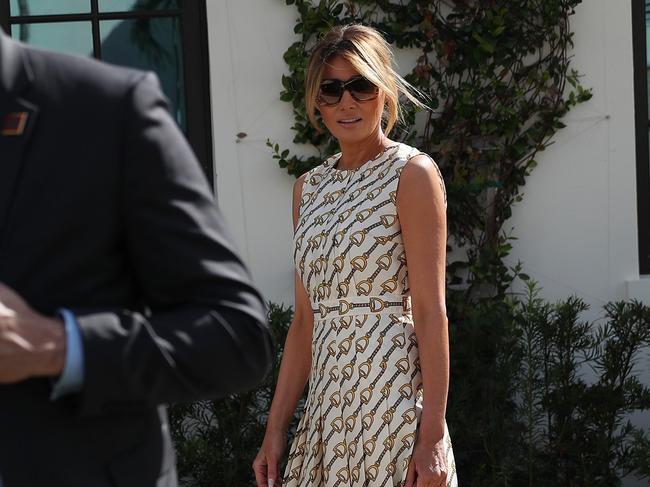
[337,157]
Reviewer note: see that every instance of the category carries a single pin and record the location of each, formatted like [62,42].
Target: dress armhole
[305,182]
[435,165]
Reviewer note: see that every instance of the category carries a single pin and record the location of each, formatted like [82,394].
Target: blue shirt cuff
[72,378]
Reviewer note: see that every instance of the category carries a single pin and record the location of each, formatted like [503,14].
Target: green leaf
[498,30]
[484,44]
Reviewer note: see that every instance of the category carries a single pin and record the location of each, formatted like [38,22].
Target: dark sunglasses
[331,90]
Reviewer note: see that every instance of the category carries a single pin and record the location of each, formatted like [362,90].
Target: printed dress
[360,420]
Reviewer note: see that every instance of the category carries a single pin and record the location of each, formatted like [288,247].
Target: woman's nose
[346,99]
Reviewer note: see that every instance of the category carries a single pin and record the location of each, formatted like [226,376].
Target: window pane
[69,37]
[150,44]
[48,7]
[647,49]
[128,5]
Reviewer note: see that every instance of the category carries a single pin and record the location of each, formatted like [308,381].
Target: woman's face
[350,121]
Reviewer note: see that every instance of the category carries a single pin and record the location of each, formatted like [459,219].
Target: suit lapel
[17,120]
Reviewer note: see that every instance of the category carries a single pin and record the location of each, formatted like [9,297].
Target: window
[641,41]
[165,36]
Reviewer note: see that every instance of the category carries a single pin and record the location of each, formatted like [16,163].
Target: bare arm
[296,363]
[293,375]
[421,209]
[296,358]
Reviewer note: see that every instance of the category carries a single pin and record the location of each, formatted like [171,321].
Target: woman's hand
[268,458]
[428,465]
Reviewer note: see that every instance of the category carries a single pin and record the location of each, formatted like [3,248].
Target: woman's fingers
[443,479]
[266,463]
[266,471]
[260,467]
[272,474]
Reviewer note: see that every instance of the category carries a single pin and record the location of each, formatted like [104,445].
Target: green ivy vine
[498,80]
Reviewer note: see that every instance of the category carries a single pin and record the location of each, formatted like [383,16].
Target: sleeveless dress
[361,415]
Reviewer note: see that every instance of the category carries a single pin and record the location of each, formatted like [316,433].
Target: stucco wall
[247,39]
[577,224]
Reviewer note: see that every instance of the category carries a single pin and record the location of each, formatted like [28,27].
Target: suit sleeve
[205,333]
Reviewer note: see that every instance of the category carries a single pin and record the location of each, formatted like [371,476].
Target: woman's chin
[349,136]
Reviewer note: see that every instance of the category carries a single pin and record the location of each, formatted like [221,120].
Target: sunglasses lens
[362,89]
[330,92]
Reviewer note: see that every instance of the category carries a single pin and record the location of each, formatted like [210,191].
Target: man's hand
[31,345]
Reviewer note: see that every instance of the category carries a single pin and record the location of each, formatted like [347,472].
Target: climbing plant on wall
[498,80]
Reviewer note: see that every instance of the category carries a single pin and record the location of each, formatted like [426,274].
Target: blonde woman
[370,325]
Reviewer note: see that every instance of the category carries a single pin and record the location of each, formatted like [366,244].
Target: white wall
[247,39]
[577,224]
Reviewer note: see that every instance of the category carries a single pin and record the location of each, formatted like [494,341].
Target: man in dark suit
[120,289]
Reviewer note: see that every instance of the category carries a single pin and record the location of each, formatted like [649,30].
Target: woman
[370,325]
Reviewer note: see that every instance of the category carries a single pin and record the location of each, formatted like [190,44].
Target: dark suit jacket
[105,211]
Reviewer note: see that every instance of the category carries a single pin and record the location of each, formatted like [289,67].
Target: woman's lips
[349,121]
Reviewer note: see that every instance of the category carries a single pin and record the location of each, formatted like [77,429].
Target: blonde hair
[371,56]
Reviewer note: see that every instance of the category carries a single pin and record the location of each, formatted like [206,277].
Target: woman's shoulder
[413,156]
[421,166]
[408,152]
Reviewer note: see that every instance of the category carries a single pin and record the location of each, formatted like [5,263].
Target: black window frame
[642,126]
[194,35]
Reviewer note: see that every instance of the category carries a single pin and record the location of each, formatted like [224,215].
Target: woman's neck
[355,154]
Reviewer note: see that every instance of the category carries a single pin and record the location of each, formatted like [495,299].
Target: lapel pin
[14,123]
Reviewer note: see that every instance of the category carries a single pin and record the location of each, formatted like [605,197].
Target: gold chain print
[360,419]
